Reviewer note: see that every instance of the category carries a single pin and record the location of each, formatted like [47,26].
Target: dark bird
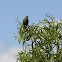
[25,21]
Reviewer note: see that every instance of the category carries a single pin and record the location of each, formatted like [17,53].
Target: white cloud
[10,55]
[1,46]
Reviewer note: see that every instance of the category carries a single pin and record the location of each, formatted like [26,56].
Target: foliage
[41,42]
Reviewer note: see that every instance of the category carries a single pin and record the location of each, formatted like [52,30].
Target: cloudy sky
[10,10]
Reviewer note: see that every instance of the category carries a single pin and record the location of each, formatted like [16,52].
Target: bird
[25,21]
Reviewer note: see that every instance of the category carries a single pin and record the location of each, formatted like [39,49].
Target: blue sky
[36,9]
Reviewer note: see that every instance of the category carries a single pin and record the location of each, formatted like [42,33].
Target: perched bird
[25,21]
